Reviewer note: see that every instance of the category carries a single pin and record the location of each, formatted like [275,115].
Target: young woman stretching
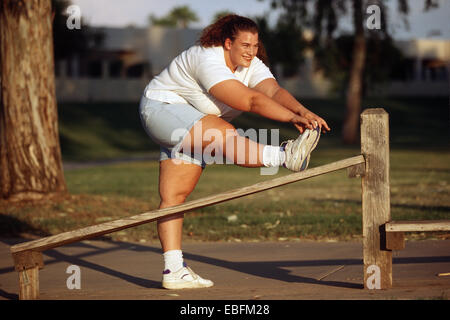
[203,89]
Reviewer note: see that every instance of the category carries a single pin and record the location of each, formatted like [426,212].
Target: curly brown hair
[228,27]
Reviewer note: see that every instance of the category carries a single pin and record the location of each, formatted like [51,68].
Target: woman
[202,90]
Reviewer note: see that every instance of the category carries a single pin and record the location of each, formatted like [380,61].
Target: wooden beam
[395,240]
[357,171]
[376,196]
[113,226]
[420,226]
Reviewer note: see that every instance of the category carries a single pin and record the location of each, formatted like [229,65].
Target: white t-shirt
[191,75]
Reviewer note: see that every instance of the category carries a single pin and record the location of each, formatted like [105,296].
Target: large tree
[324,16]
[30,157]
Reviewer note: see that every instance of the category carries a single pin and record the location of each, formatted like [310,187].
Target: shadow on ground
[265,269]
[11,227]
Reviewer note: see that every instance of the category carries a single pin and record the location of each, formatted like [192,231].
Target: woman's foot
[298,151]
[184,278]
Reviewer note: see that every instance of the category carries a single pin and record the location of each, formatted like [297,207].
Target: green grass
[99,131]
[325,207]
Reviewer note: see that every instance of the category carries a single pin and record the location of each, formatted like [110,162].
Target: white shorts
[167,125]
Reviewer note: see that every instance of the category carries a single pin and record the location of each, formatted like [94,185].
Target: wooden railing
[380,235]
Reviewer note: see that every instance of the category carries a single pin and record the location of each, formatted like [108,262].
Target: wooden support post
[395,240]
[29,284]
[356,171]
[27,264]
[376,198]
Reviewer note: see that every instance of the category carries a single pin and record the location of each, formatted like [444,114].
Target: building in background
[426,69]
[114,69]
[118,68]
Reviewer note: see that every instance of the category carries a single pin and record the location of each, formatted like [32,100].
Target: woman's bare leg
[217,134]
[178,178]
[176,182]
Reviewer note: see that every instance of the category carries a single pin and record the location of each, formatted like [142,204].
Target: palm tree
[180,16]
[183,16]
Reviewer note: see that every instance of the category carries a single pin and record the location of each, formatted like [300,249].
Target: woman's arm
[271,88]
[238,96]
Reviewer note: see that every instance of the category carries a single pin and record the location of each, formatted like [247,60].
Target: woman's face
[242,50]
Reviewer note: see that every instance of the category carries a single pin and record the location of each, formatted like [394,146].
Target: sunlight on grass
[324,207]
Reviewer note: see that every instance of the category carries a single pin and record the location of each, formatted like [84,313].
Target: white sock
[273,156]
[173,260]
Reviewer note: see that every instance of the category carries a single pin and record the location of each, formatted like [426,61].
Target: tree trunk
[30,156]
[350,131]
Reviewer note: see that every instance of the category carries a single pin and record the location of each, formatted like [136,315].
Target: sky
[118,13]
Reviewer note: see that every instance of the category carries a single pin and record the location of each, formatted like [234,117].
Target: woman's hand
[316,119]
[272,89]
[302,123]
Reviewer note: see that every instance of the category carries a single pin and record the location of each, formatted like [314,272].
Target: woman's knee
[221,134]
[177,181]
[211,132]
[175,195]
[174,198]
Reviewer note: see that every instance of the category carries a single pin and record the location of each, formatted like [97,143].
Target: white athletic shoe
[298,151]
[184,278]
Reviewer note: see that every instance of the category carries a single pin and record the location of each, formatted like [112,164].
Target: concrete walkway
[241,271]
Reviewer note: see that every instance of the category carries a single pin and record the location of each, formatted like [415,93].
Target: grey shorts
[167,125]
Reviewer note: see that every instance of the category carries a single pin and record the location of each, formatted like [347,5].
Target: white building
[429,69]
[119,69]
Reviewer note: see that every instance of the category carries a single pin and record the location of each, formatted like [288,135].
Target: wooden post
[29,284]
[376,199]
[27,264]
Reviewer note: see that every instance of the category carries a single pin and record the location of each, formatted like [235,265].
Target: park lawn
[325,207]
[98,131]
